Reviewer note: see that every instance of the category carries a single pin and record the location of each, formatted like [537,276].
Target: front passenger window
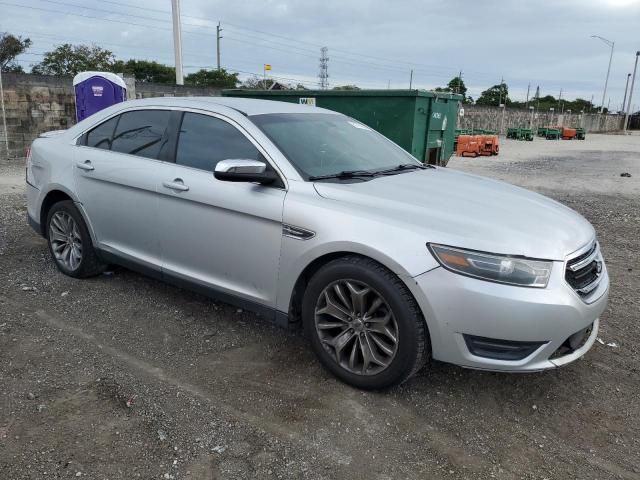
[205,140]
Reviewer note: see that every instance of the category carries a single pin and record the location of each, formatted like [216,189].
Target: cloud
[371,43]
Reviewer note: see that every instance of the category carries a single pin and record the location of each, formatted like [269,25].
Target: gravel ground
[122,377]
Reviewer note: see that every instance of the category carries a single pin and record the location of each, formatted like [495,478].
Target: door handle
[86,165]
[177,184]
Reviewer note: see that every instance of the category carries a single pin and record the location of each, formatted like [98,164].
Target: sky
[371,43]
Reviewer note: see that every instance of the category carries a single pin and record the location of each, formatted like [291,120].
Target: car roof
[247,106]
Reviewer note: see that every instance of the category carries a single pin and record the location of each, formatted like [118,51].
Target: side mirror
[243,171]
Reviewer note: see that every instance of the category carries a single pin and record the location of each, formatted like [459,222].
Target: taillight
[28,172]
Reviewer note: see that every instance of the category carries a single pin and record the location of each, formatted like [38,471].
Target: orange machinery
[568,133]
[468,146]
[474,145]
[489,145]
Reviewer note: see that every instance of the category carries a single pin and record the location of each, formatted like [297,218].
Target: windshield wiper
[403,167]
[344,174]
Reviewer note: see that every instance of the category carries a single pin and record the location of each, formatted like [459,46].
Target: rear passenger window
[205,140]
[100,137]
[141,133]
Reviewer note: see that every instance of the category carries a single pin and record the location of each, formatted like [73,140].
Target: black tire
[413,343]
[89,265]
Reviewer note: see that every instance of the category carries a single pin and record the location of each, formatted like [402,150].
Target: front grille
[583,272]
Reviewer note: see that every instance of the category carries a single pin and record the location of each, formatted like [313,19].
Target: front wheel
[364,324]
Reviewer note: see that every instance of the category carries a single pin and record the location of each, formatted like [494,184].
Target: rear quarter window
[100,136]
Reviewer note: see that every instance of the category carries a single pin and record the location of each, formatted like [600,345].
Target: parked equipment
[553,134]
[520,134]
[474,145]
[96,91]
[580,134]
[467,146]
[421,122]
[568,133]
[488,145]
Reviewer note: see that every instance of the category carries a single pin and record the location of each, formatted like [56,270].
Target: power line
[296,49]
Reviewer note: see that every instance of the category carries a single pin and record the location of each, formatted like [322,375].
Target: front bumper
[455,306]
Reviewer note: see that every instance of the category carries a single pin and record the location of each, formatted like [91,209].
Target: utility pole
[177,40]
[591,102]
[459,82]
[218,37]
[324,69]
[606,82]
[500,90]
[411,79]
[560,104]
[633,82]
[527,102]
[624,100]
[4,117]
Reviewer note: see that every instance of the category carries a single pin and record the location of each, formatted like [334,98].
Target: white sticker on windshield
[360,126]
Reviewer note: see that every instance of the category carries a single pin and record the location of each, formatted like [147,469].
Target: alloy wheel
[356,327]
[65,240]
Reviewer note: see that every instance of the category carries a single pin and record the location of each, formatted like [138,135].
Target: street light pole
[4,117]
[606,82]
[624,100]
[633,81]
[177,40]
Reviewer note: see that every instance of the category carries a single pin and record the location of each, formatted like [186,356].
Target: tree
[456,85]
[346,87]
[146,71]
[495,96]
[213,78]
[10,47]
[257,83]
[70,59]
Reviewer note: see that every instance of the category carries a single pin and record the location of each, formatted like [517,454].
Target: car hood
[467,211]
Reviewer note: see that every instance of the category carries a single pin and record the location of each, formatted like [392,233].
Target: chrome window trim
[199,111]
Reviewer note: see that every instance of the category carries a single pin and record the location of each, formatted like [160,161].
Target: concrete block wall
[493,118]
[39,103]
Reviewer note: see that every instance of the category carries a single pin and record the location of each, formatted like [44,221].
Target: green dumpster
[421,122]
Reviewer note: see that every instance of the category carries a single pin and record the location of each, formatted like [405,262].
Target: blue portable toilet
[96,91]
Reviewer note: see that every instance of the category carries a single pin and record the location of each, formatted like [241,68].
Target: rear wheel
[364,324]
[70,242]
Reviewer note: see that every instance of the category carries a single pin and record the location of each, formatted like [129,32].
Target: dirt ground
[123,377]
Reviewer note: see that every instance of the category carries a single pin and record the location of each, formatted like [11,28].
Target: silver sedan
[312,218]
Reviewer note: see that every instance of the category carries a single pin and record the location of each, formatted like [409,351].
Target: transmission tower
[324,68]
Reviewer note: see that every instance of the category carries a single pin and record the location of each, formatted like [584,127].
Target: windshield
[320,144]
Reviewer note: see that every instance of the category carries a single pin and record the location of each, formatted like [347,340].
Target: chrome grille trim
[586,263]
[574,267]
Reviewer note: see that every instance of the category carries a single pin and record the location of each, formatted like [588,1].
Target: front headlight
[494,268]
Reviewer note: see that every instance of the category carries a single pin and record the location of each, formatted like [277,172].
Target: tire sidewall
[68,207]
[405,315]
